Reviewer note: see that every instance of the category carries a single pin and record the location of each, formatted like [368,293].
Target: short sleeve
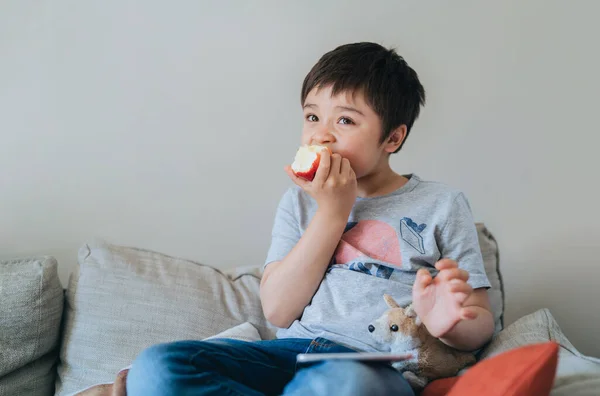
[286,230]
[459,242]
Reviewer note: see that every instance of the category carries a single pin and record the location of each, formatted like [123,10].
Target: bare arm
[470,334]
[288,285]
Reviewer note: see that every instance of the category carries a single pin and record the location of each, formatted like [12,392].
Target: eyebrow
[352,109]
[347,108]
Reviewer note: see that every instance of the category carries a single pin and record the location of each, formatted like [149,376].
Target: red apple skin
[309,175]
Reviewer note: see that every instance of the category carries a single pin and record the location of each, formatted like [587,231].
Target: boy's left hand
[438,301]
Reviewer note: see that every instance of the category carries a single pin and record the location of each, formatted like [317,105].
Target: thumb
[423,278]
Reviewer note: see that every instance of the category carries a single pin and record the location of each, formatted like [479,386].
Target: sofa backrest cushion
[121,300]
[31,307]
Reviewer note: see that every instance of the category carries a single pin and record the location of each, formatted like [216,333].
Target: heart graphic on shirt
[369,239]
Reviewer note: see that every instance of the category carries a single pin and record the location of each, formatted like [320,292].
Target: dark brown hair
[391,87]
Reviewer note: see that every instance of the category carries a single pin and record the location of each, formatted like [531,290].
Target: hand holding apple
[326,177]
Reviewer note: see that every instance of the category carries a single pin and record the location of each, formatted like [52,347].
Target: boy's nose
[323,136]
[371,328]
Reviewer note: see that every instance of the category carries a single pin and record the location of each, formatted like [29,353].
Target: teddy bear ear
[390,301]
[411,313]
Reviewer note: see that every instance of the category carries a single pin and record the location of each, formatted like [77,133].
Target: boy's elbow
[486,329]
[471,335]
[274,312]
[277,319]
[490,328]
[277,315]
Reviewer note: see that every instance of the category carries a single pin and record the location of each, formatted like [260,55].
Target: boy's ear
[395,139]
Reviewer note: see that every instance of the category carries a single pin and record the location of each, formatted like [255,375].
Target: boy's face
[347,125]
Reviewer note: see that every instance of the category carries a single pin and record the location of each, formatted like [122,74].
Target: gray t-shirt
[387,239]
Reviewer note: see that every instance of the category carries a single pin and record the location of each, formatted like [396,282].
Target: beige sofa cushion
[491,261]
[576,374]
[31,304]
[121,300]
[243,332]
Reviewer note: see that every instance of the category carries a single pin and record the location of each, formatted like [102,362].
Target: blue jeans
[232,367]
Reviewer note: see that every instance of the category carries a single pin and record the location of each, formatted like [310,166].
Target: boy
[357,231]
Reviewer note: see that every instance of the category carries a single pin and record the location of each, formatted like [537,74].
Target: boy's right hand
[334,186]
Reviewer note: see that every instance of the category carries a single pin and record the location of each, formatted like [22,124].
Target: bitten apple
[307,161]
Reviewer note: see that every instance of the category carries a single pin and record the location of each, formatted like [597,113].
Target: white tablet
[361,356]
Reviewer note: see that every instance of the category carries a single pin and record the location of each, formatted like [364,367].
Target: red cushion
[524,371]
[439,387]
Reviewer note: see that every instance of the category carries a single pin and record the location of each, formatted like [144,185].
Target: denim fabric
[233,367]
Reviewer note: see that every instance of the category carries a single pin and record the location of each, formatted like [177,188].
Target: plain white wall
[166,125]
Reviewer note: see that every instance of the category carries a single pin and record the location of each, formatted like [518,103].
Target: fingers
[446,264]
[324,168]
[459,286]
[454,273]
[460,289]
[423,279]
[345,167]
[352,175]
[336,164]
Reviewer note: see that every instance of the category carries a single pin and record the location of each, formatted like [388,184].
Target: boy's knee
[151,371]
[350,378]
[360,378]
[155,358]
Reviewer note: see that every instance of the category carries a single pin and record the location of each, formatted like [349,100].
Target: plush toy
[431,358]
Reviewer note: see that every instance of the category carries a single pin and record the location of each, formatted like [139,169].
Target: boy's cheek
[307,134]
[361,166]
[345,152]
[355,159]
[357,166]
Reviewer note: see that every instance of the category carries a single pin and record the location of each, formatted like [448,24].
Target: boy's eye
[312,118]
[346,121]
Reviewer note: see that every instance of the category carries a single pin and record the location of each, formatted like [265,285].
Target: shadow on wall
[567,293]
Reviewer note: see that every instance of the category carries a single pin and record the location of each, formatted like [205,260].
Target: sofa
[120,300]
